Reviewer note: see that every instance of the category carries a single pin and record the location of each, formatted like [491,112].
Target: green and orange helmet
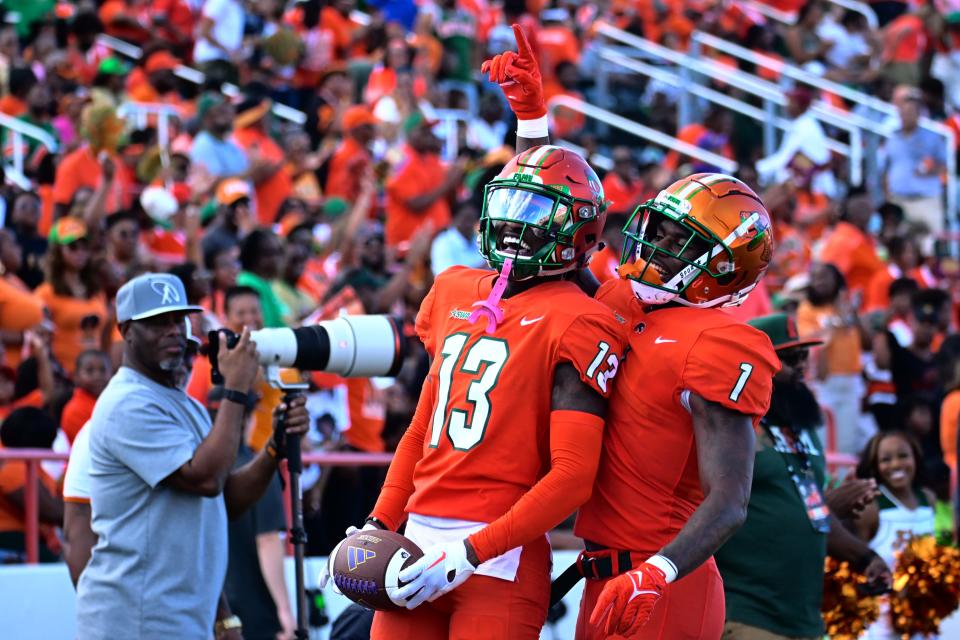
[545,211]
[704,241]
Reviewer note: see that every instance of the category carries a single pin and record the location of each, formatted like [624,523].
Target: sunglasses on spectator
[793,357]
[88,323]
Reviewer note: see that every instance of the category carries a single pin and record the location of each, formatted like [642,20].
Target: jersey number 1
[490,351]
[745,370]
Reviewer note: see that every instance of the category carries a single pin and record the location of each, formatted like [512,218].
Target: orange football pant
[482,608]
[692,608]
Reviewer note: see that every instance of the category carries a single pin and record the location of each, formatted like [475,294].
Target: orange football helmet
[545,211]
[704,241]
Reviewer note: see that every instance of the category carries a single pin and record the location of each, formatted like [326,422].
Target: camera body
[349,346]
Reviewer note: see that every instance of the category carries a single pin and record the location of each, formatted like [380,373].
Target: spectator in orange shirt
[556,42]
[564,122]
[828,314]
[419,189]
[850,247]
[92,373]
[904,257]
[20,82]
[161,84]
[72,292]
[271,183]
[713,135]
[346,32]
[904,45]
[102,129]
[27,428]
[351,160]
[623,186]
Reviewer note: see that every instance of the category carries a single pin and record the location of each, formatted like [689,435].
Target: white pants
[926,211]
[842,395]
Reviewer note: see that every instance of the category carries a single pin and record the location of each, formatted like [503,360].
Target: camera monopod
[289,448]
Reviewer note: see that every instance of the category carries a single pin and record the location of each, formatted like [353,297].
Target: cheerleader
[902,509]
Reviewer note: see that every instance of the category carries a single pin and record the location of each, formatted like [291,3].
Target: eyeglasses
[89,323]
[793,357]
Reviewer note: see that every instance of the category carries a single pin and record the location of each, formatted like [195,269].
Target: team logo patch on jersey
[356,556]
[459,315]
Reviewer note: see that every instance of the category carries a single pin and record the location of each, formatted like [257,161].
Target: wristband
[376,522]
[533,128]
[235,396]
[666,565]
[232,622]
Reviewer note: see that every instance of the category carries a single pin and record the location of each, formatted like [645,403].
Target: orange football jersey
[487,442]
[648,483]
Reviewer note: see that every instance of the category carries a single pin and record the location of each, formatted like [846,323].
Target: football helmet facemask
[545,210]
[704,241]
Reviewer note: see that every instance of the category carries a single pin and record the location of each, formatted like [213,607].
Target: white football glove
[443,568]
[325,571]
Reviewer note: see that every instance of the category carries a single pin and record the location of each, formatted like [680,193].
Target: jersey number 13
[463,433]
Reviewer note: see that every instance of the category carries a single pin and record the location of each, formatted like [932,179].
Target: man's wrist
[233,395]
[536,128]
[666,565]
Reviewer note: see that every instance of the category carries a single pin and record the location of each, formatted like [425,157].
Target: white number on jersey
[463,433]
[745,370]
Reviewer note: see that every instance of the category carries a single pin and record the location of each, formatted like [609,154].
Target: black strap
[593,567]
[564,582]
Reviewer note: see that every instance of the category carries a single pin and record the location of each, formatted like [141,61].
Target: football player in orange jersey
[677,459]
[506,437]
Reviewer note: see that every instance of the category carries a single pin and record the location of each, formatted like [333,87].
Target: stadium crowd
[274,220]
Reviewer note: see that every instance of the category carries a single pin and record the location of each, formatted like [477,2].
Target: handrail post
[31,496]
[18,151]
[769,128]
[856,157]
[603,97]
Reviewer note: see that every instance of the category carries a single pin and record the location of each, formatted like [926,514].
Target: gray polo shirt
[905,153]
[161,557]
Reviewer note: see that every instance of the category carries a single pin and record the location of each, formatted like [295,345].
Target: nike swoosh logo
[443,556]
[524,322]
[662,340]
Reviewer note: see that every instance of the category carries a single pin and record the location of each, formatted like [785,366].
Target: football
[366,566]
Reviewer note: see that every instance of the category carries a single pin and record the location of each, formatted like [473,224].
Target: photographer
[156,462]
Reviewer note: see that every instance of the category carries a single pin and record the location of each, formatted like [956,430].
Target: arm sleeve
[732,366]
[19,310]
[398,487]
[575,439]
[148,440]
[593,344]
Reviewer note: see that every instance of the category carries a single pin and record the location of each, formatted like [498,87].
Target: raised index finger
[523,45]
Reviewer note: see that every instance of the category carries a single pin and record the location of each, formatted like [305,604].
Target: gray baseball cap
[152,294]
